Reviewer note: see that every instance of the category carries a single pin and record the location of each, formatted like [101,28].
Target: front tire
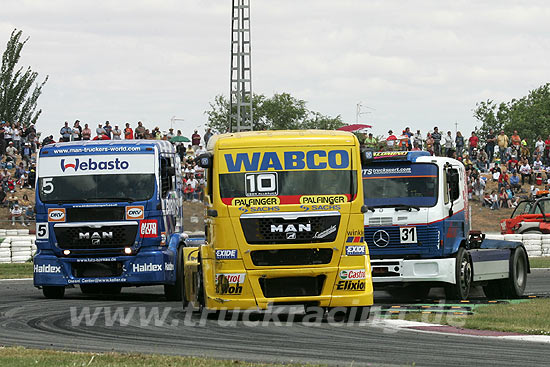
[174,292]
[53,292]
[463,275]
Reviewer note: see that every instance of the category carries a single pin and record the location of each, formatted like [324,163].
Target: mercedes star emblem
[381,238]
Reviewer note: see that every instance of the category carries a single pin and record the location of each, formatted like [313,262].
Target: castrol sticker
[232,278]
[148,228]
[352,274]
[56,215]
[134,212]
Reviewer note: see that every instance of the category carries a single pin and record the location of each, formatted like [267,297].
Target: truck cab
[108,215]
[529,216]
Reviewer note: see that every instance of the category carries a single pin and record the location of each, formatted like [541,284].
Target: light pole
[172,121]
[359,113]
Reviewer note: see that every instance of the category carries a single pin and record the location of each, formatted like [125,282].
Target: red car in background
[530,216]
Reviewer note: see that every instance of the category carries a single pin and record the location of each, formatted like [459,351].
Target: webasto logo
[91,165]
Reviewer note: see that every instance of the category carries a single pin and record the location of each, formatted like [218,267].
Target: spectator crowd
[509,161]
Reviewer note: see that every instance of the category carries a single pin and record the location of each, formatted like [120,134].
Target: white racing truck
[417,228]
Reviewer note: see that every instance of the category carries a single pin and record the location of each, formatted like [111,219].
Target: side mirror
[204,160]
[364,209]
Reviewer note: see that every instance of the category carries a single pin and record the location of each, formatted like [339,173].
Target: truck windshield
[400,183]
[97,188]
[289,183]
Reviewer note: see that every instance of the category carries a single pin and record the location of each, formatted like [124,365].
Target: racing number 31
[407,234]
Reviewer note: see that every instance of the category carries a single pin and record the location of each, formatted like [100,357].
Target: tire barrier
[535,244]
[17,247]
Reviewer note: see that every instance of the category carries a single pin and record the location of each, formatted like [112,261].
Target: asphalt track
[26,318]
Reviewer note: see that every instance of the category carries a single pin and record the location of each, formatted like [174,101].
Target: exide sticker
[352,274]
[148,228]
[56,214]
[134,212]
[355,250]
[226,254]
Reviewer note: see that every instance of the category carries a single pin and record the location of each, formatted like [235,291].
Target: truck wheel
[53,292]
[173,292]
[514,286]
[463,276]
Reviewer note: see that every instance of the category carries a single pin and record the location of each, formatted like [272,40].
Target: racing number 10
[261,184]
[407,234]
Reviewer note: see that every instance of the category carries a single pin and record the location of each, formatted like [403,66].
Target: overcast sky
[414,63]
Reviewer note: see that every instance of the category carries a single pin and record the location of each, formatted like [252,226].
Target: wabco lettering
[297,160]
[92,165]
[352,274]
[350,285]
[53,269]
[226,254]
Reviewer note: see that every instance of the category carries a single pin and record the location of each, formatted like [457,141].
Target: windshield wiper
[406,207]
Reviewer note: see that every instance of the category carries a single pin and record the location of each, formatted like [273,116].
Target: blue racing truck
[108,215]
[417,227]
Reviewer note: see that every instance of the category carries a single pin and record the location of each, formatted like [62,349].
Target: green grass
[23,357]
[527,317]
[539,262]
[15,271]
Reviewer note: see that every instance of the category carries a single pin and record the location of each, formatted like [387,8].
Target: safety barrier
[536,244]
[17,246]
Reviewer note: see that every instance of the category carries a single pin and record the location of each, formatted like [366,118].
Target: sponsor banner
[389,155]
[326,232]
[97,280]
[56,214]
[151,267]
[253,201]
[400,169]
[350,285]
[135,212]
[84,165]
[355,250]
[95,259]
[226,254]
[324,199]
[232,278]
[303,159]
[352,274]
[148,228]
[320,207]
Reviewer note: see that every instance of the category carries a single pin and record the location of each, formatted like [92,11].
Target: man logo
[135,212]
[56,214]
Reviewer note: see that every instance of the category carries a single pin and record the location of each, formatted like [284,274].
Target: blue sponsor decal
[226,254]
[357,250]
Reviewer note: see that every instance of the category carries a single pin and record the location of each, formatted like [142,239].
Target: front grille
[428,238]
[380,221]
[292,286]
[87,237]
[97,269]
[95,214]
[300,229]
[291,257]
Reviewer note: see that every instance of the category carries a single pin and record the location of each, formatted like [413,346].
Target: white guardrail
[18,246]
[536,244]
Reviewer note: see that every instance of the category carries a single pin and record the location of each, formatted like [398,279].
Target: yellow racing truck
[284,225]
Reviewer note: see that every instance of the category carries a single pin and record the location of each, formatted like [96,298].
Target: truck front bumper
[144,268]
[416,270]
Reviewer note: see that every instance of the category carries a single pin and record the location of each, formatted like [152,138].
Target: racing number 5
[407,234]
[47,185]
[42,230]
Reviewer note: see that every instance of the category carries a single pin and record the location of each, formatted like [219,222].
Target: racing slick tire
[463,275]
[174,292]
[514,285]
